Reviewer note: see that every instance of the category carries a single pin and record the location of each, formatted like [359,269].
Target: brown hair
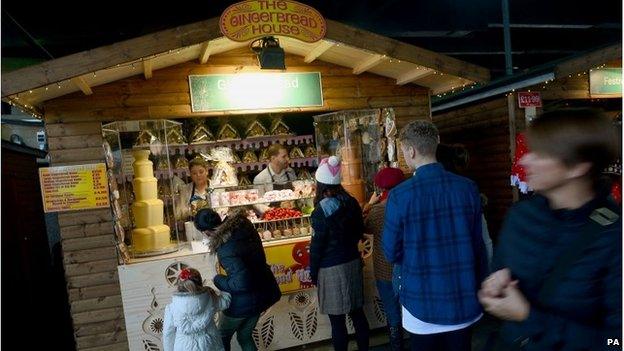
[422,136]
[198,161]
[275,149]
[453,157]
[575,136]
[194,283]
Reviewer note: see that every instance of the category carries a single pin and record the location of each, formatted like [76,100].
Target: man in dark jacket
[249,279]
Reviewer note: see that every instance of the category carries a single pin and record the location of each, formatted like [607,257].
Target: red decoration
[616,192]
[518,174]
[185,274]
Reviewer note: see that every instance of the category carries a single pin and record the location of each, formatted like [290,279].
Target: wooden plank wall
[484,130]
[73,124]
[87,239]
[166,94]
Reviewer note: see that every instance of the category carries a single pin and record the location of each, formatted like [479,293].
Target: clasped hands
[501,297]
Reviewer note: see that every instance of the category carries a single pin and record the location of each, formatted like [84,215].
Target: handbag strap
[600,218]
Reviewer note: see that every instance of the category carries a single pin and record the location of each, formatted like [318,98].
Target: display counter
[148,160]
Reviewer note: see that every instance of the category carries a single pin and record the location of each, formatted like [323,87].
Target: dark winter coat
[338,227]
[249,278]
[584,310]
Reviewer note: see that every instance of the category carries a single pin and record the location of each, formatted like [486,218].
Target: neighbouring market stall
[488,120]
[178,94]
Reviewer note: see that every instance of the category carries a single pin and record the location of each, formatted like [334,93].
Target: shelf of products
[240,144]
[280,220]
[264,202]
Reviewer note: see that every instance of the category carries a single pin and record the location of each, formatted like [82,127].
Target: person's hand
[494,284]
[511,305]
[374,198]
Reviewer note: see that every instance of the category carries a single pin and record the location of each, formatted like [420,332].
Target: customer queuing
[558,283]
[189,323]
[432,230]
[455,159]
[385,179]
[249,278]
[335,263]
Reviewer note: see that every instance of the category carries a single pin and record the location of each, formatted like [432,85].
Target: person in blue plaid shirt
[432,229]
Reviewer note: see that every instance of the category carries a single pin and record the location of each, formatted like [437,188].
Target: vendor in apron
[277,175]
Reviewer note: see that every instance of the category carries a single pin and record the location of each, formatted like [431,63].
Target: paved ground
[379,339]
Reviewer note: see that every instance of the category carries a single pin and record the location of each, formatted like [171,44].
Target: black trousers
[458,340]
[340,336]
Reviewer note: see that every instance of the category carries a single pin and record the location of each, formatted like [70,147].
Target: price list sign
[70,188]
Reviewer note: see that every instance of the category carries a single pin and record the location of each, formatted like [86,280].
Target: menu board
[70,188]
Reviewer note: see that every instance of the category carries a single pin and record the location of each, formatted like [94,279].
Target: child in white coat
[190,317]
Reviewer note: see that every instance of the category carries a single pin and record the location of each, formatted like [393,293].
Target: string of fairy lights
[25,108]
[14,100]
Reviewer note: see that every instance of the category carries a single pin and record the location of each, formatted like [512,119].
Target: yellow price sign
[70,188]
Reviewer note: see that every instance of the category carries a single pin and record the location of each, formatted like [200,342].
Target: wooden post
[511,106]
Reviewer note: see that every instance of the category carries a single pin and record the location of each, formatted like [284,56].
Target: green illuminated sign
[605,81]
[245,91]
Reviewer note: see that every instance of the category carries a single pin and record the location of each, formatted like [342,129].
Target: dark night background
[468,30]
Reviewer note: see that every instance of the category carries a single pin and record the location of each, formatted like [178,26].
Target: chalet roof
[343,45]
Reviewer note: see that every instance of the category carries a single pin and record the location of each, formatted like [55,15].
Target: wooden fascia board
[588,61]
[395,49]
[108,56]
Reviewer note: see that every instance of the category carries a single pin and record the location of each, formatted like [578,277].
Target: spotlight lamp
[270,54]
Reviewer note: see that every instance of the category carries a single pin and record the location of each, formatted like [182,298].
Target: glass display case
[275,213]
[140,177]
[364,140]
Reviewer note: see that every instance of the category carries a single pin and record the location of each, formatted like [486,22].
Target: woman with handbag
[558,277]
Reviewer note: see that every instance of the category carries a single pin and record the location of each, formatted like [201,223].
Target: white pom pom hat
[328,171]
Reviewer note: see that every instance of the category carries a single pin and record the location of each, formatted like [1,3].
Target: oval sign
[253,19]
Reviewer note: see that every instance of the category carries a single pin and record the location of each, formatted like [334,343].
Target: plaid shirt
[433,230]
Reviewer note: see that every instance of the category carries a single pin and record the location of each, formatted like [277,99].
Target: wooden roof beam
[204,54]
[318,51]
[147,68]
[368,63]
[588,61]
[442,88]
[414,75]
[82,85]
[85,62]
[366,40]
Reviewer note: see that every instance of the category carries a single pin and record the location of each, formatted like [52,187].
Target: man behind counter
[276,176]
[278,172]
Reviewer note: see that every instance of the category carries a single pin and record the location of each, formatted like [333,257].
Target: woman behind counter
[196,190]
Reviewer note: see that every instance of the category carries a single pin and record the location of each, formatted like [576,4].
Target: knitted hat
[207,219]
[328,171]
[388,178]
